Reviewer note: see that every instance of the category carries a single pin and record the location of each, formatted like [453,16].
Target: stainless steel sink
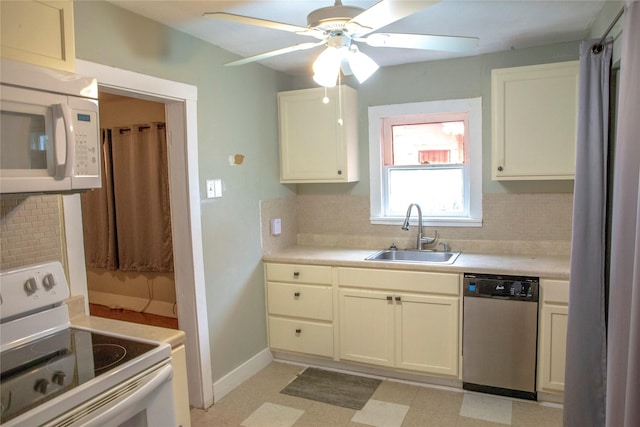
[409,255]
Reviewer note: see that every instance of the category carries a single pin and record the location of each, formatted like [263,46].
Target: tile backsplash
[538,223]
[30,230]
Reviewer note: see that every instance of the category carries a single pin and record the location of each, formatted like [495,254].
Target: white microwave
[49,130]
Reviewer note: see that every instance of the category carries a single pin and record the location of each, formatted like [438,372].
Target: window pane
[438,191]
[428,143]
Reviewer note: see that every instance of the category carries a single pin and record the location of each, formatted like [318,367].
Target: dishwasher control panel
[521,288]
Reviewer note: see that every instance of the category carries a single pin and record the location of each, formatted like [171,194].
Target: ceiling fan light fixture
[361,65]
[327,67]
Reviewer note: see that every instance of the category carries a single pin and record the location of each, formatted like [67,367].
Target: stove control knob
[58,378]
[30,286]
[41,386]
[48,282]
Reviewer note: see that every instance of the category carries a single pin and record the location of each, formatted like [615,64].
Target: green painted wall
[237,113]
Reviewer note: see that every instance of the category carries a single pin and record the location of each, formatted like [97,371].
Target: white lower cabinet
[366,326]
[300,308]
[180,386]
[390,324]
[397,319]
[427,333]
[554,297]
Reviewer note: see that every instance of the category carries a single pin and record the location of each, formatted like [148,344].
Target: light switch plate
[214,188]
[276,227]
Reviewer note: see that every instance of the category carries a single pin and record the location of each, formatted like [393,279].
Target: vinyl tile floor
[258,403]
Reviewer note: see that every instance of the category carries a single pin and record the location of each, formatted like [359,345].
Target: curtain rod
[597,47]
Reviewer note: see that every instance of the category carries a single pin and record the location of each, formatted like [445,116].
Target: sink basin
[409,255]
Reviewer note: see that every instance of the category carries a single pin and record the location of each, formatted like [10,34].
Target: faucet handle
[445,247]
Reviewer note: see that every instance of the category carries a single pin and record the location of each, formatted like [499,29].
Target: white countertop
[548,267]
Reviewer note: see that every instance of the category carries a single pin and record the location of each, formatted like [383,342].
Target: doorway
[180,102]
[126,223]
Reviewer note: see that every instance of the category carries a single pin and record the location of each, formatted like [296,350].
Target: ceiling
[499,24]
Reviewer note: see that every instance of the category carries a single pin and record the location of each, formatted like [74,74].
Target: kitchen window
[428,153]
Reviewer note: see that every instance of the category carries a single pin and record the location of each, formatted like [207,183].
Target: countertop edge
[173,337]
[547,267]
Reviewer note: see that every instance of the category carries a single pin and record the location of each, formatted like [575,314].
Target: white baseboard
[242,373]
[160,308]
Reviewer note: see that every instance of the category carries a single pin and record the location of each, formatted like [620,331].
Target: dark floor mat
[334,388]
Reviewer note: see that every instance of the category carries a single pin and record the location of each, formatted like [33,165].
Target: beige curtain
[137,202]
[98,216]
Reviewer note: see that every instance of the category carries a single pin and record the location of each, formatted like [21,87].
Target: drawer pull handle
[296,294]
[296,274]
[389,298]
[398,299]
[298,331]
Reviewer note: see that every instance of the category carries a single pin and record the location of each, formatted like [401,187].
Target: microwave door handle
[63,141]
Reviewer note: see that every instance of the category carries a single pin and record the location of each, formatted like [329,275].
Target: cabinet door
[553,336]
[427,333]
[39,32]
[180,387]
[534,119]
[313,144]
[366,326]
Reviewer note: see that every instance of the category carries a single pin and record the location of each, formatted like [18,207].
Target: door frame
[182,138]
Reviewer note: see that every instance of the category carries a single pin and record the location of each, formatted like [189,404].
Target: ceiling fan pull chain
[325,100]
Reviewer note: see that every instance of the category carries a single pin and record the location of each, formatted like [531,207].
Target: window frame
[473,156]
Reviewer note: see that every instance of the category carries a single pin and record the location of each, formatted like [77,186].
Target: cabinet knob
[389,298]
[398,299]
[296,274]
[296,294]
[500,168]
[339,172]
[298,331]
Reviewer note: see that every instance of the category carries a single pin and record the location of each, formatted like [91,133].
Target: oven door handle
[133,400]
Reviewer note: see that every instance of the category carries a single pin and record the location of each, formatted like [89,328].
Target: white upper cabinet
[534,120]
[318,141]
[38,32]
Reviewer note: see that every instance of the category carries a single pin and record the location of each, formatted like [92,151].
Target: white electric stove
[53,374]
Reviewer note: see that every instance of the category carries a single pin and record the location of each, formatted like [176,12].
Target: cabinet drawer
[299,273]
[301,336]
[310,301]
[411,281]
[555,291]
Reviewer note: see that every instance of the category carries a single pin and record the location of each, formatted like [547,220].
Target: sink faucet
[421,239]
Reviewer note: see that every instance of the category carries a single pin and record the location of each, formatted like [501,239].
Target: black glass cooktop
[43,369]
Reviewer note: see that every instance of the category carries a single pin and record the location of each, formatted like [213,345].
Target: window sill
[429,222]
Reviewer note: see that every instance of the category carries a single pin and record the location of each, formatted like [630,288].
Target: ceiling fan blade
[386,12]
[265,55]
[230,17]
[421,41]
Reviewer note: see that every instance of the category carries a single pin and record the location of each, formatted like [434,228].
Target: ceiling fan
[340,27]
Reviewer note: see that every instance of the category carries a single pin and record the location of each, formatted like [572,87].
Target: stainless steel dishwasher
[500,329]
